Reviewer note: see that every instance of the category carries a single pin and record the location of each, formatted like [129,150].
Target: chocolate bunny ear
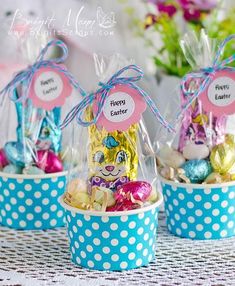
[110,142]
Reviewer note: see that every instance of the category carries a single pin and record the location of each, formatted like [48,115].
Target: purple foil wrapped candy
[200,127]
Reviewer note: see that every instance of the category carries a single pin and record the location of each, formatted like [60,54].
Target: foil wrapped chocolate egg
[131,195]
[79,200]
[17,153]
[103,196]
[49,161]
[197,170]
[3,159]
[222,157]
[76,194]
[135,192]
[213,178]
[12,169]
[216,178]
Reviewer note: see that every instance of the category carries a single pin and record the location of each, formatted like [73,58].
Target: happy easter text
[121,103]
[47,85]
[223,89]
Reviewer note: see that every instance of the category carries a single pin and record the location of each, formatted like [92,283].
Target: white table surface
[42,258]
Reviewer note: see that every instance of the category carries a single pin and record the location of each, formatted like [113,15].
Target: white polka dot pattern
[31,204]
[112,242]
[200,213]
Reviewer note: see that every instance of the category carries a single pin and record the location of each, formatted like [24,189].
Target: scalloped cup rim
[196,186]
[35,177]
[111,214]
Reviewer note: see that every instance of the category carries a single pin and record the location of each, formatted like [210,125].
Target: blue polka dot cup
[200,211]
[31,201]
[112,240]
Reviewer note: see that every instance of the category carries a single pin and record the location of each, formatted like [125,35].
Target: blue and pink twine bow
[117,79]
[25,77]
[206,75]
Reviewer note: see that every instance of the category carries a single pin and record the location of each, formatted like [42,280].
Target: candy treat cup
[112,240]
[111,199]
[31,201]
[197,164]
[197,211]
[33,157]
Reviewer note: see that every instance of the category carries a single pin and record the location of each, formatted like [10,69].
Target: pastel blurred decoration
[15,17]
[165,22]
[193,9]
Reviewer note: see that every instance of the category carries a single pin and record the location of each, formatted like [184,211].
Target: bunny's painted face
[110,160]
[112,156]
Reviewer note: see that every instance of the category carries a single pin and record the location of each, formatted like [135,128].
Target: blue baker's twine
[206,75]
[25,77]
[117,79]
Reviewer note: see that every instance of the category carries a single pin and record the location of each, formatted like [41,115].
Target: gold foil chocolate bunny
[112,156]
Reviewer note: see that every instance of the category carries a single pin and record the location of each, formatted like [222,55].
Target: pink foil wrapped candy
[131,195]
[3,159]
[48,161]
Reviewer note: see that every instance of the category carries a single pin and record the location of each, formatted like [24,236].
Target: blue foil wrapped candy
[50,133]
[39,126]
[17,153]
[36,129]
[197,170]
